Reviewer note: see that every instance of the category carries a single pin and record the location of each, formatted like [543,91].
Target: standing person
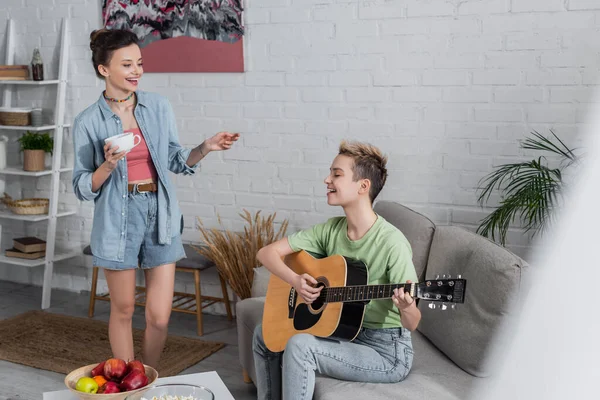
[137,221]
[382,352]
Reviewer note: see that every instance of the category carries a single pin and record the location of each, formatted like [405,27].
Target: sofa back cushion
[493,276]
[260,282]
[417,228]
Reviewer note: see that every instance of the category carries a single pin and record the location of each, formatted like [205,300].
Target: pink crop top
[139,163]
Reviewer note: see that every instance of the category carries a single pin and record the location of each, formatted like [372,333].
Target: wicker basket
[26,206]
[15,116]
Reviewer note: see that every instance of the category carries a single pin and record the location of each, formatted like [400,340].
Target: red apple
[98,369]
[135,365]
[114,369]
[109,387]
[134,380]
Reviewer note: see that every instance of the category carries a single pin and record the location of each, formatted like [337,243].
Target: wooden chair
[182,302]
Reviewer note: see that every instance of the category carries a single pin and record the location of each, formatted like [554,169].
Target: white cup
[125,141]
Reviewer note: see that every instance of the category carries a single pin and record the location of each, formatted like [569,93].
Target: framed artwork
[182,35]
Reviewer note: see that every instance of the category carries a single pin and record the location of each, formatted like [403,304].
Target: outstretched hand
[221,141]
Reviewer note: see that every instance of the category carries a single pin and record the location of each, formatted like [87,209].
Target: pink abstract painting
[182,35]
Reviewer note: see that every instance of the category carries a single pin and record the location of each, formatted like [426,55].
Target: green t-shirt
[384,250]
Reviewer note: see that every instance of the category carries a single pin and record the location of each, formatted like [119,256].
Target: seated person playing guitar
[382,351]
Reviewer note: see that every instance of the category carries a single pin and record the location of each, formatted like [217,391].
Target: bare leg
[121,286]
[160,282]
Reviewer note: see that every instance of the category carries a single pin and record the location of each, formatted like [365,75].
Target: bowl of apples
[113,379]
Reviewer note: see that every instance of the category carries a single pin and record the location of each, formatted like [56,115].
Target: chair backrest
[417,228]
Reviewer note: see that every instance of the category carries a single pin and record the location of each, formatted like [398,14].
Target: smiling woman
[137,220]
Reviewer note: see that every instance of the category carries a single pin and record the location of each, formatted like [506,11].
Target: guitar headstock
[444,290]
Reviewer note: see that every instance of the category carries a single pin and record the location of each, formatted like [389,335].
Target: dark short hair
[369,163]
[104,42]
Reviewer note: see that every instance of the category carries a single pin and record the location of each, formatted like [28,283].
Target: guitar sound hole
[320,301]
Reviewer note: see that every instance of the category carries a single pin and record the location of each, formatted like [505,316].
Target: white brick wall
[446,88]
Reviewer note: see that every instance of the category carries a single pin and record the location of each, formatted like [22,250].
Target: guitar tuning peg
[444,306]
[449,276]
[437,276]
[459,276]
[444,276]
[453,306]
[432,306]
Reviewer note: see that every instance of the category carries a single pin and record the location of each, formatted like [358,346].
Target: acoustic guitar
[339,310]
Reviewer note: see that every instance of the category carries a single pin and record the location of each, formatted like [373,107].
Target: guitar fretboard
[363,292]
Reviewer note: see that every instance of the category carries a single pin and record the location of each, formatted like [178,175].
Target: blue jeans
[142,248]
[376,355]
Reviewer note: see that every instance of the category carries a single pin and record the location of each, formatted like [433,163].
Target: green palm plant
[530,190]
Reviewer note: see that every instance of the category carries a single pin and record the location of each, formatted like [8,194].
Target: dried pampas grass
[234,253]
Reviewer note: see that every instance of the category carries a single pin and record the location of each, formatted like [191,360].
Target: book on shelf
[14,72]
[29,244]
[19,254]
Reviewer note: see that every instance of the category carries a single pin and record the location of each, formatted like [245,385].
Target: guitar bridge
[292,302]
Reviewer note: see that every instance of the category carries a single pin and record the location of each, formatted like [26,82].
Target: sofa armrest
[248,315]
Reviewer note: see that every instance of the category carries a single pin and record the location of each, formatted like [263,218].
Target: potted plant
[531,190]
[34,147]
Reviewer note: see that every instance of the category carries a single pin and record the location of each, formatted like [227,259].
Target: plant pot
[34,160]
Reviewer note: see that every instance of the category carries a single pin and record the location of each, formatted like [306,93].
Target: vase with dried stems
[234,253]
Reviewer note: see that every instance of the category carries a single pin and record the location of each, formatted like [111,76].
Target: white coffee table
[211,380]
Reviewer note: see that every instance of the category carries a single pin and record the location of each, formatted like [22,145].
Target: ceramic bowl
[74,376]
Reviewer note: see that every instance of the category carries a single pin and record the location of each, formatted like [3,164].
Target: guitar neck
[364,292]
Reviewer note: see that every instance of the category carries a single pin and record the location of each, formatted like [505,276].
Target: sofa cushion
[417,228]
[194,259]
[493,277]
[433,376]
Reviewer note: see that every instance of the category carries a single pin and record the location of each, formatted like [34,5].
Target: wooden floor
[22,382]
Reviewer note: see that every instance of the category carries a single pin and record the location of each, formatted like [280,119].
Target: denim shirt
[156,120]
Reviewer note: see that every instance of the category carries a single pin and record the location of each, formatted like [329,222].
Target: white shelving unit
[18,171]
[52,254]
[30,128]
[33,83]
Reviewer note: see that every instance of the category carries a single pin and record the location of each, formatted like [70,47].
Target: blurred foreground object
[555,348]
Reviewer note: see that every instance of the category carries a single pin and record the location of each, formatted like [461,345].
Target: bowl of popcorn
[174,391]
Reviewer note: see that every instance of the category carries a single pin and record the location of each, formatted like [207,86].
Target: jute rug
[63,343]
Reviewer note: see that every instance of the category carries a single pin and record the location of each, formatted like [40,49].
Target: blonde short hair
[369,163]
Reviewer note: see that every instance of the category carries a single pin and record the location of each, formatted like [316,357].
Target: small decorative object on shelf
[35,146]
[33,206]
[29,244]
[36,117]
[14,72]
[15,116]
[37,65]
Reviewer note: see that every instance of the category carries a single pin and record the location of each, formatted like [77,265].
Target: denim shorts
[141,245]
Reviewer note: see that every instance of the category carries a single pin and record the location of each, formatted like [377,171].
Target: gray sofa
[451,347]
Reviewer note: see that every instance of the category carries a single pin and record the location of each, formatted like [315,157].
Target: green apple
[86,384]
